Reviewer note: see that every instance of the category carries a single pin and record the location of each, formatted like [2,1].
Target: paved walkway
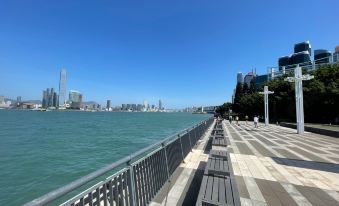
[185,182]
[275,166]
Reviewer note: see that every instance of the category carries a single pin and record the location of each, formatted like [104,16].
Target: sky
[184,52]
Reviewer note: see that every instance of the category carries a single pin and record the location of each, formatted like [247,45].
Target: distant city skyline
[184,53]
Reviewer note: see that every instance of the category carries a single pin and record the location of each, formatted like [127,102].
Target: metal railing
[142,176]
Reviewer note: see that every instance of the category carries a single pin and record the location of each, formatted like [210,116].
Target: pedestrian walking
[256,120]
[246,119]
[237,120]
[230,118]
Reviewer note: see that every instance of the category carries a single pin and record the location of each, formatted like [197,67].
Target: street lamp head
[289,79]
[307,77]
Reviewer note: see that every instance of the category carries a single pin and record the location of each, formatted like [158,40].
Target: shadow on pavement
[328,167]
[193,190]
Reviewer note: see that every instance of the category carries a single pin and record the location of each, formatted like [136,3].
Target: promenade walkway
[273,166]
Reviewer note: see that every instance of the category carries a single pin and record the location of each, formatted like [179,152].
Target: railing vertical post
[189,138]
[132,186]
[168,175]
[182,151]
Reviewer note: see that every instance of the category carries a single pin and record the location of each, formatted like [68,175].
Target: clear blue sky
[185,52]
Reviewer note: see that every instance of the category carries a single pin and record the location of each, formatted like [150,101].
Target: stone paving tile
[280,142]
[310,148]
[316,196]
[308,154]
[236,136]
[264,140]
[261,149]
[287,153]
[242,189]
[243,148]
[286,177]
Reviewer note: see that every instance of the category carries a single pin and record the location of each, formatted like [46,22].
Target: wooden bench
[219,154]
[219,142]
[217,166]
[216,188]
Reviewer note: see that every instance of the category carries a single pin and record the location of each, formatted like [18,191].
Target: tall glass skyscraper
[62,87]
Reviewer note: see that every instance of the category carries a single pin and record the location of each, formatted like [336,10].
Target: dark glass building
[302,47]
[284,61]
[301,58]
[322,56]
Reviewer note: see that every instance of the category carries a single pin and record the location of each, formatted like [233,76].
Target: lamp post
[266,93]
[298,79]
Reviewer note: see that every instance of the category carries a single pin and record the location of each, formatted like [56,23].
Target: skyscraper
[18,99]
[108,105]
[49,98]
[160,105]
[62,87]
[240,78]
[146,106]
[75,99]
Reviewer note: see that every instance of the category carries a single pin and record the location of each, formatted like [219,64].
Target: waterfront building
[139,107]
[160,105]
[2,100]
[108,104]
[18,99]
[146,105]
[62,87]
[284,61]
[322,56]
[336,54]
[124,107]
[49,98]
[75,99]
[261,80]
[303,47]
[301,58]
[248,78]
[240,78]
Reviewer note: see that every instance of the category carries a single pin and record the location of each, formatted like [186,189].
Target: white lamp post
[298,79]
[266,93]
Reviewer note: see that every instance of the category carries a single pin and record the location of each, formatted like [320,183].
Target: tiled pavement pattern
[275,166]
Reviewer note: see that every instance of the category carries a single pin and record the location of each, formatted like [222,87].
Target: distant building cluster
[145,107]
[50,98]
[301,56]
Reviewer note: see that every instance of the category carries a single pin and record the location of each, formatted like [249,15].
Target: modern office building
[139,107]
[322,56]
[160,105]
[284,61]
[49,98]
[303,47]
[240,78]
[301,58]
[261,80]
[248,78]
[108,104]
[336,54]
[146,105]
[62,87]
[2,100]
[75,99]
[124,107]
[18,99]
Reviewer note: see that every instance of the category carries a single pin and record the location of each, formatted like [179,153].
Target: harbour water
[41,151]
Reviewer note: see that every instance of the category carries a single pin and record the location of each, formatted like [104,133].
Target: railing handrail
[55,194]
